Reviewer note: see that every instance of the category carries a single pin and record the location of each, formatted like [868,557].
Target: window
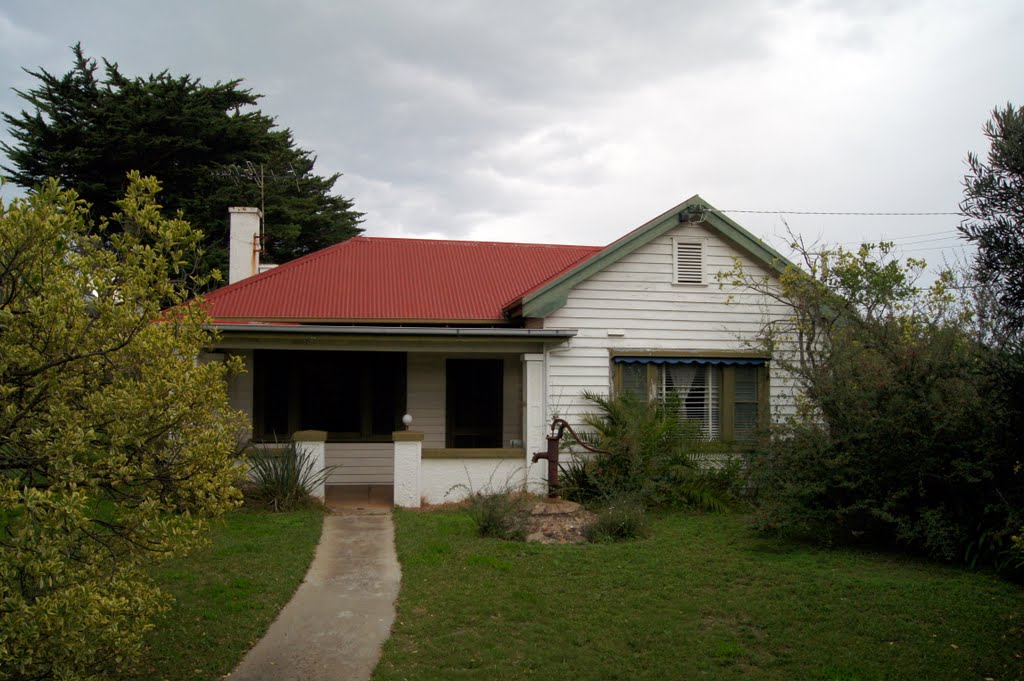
[688,261]
[474,403]
[354,396]
[727,396]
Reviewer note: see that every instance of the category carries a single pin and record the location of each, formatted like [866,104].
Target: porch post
[312,442]
[408,453]
[535,419]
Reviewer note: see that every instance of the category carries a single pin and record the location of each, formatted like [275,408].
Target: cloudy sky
[576,121]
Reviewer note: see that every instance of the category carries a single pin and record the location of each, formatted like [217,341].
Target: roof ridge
[477,242]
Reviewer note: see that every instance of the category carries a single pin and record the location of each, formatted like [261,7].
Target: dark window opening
[354,396]
[473,404]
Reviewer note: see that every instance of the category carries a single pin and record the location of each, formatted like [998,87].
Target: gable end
[551,296]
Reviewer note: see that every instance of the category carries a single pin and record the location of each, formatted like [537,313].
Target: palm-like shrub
[653,456]
[283,478]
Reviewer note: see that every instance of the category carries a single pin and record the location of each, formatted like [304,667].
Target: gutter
[438,331]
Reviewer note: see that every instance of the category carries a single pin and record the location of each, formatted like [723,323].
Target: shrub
[620,519]
[908,427]
[501,515]
[116,445]
[283,479]
[652,456]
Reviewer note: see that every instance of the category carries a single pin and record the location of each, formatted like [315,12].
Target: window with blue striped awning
[733,361]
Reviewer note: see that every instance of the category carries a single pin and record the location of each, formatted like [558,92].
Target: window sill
[477,453]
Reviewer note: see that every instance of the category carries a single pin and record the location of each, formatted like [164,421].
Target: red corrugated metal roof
[369,279]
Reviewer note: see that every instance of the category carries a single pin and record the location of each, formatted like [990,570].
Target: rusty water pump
[559,426]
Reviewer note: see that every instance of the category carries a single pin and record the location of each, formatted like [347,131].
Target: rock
[555,521]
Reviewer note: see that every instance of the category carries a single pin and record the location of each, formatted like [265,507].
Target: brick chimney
[244,246]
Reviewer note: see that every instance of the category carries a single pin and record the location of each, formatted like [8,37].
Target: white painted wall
[637,297]
[445,480]
[408,457]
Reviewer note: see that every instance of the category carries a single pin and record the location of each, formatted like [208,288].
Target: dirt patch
[554,521]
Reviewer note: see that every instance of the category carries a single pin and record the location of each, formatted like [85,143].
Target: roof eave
[437,331]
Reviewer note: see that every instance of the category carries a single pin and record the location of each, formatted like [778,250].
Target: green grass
[227,594]
[703,598]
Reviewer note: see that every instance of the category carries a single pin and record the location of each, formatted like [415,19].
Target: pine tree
[206,144]
[994,208]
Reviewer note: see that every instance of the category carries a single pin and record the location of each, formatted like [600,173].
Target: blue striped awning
[747,361]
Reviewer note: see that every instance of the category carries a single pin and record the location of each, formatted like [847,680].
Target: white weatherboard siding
[361,463]
[425,399]
[636,297]
[240,387]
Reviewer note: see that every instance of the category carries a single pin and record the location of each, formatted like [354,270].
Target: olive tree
[116,444]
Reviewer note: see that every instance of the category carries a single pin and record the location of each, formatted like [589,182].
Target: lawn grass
[227,594]
[703,598]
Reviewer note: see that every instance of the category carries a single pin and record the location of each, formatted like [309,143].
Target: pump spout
[558,426]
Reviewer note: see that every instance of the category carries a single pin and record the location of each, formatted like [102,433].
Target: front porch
[476,402]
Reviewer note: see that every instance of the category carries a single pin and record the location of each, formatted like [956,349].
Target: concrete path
[335,624]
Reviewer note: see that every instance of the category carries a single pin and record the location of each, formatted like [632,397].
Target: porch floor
[359,496]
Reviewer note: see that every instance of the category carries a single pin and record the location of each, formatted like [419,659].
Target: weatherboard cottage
[482,343]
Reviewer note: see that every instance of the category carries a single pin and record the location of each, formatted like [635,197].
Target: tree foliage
[994,208]
[207,146]
[115,443]
[899,438]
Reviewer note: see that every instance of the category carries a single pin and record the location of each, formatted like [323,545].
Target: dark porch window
[473,403]
[354,396]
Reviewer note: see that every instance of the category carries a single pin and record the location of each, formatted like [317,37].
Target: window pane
[746,402]
[329,394]
[271,381]
[746,421]
[473,402]
[697,387]
[746,383]
[351,395]
[387,385]
[634,379]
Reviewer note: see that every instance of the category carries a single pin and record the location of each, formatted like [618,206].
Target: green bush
[283,479]
[500,515]
[116,446]
[619,519]
[908,426]
[653,456]
[904,457]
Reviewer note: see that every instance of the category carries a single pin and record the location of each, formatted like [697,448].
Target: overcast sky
[574,122]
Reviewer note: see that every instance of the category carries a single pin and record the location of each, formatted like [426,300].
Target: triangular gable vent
[689,262]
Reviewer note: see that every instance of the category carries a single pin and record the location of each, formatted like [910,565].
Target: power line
[907,240]
[836,212]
